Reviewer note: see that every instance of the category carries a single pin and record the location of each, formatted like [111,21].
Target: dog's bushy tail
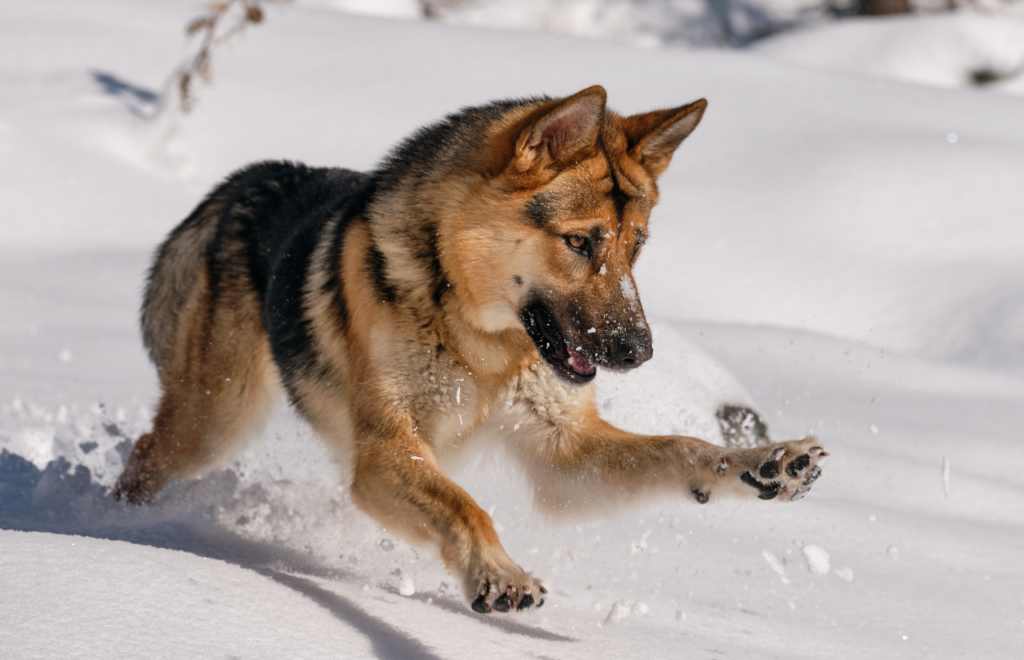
[178,276]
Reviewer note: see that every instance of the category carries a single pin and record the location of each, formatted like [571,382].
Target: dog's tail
[178,276]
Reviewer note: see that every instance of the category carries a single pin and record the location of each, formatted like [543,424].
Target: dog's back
[253,234]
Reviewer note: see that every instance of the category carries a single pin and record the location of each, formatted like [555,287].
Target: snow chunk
[775,565]
[628,290]
[893,552]
[845,573]
[34,444]
[406,587]
[816,558]
[620,610]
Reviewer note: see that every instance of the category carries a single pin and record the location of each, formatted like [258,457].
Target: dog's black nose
[631,353]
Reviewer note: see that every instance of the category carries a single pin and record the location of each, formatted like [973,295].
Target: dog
[473,284]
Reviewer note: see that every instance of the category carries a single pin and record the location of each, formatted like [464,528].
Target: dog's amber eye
[580,244]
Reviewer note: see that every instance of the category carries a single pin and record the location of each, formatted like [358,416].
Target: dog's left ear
[654,136]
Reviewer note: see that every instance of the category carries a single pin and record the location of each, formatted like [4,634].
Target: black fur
[539,211]
[280,212]
[378,273]
[444,141]
[618,195]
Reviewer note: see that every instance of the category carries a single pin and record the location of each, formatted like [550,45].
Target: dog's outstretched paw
[785,471]
[508,592]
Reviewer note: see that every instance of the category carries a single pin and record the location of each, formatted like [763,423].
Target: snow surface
[822,251]
[947,49]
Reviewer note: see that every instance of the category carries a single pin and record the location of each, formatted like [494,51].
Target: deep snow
[822,250]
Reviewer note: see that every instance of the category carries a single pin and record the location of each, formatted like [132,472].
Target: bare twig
[208,28]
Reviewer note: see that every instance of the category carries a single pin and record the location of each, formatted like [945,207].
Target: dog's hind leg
[218,385]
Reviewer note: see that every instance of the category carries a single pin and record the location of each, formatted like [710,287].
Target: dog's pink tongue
[579,364]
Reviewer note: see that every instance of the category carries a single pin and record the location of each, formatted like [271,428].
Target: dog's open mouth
[567,362]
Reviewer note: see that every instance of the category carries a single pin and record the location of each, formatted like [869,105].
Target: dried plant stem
[208,28]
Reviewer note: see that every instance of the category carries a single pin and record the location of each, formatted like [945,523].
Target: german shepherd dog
[472,285]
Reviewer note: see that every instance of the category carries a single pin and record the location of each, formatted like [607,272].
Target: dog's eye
[579,243]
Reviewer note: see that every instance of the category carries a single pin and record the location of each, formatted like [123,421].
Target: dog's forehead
[598,190]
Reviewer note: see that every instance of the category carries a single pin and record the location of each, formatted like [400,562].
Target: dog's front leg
[583,463]
[398,482]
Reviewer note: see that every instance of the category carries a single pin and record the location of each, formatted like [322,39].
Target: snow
[946,50]
[816,558]
[406,587]
[823,251]
[115,599]
[776,565]
[844,572]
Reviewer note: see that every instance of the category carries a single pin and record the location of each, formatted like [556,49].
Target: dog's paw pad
[770,468]
[786,471]
[767,491]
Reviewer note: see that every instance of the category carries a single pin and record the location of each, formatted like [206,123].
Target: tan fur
[402,384]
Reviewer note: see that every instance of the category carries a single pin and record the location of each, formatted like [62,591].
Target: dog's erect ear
[654,136]
[561,130]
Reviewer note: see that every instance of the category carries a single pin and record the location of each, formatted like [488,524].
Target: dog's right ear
[560,132]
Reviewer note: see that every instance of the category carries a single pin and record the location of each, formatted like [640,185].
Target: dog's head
[549,236]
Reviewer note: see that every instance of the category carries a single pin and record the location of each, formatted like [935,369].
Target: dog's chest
[447,401]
